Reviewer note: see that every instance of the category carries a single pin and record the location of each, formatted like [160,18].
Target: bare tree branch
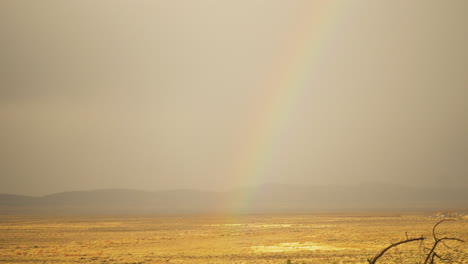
[374,260]
[430,257]
[432,253]
[438,223]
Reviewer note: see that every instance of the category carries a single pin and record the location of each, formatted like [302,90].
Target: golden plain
[287,238]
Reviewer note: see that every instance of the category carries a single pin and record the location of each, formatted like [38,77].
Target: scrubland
[300,238]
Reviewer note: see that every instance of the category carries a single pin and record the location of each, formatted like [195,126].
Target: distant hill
[111,201]
[264,198]
[369,196]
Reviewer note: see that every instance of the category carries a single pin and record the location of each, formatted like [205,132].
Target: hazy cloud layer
[163,94]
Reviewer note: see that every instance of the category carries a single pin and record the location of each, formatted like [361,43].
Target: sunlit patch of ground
[254,225]
[294,246]
[271,225]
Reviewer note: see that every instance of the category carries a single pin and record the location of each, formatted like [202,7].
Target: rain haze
[216,95]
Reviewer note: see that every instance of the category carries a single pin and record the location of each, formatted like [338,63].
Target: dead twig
[432,255]
[374,260]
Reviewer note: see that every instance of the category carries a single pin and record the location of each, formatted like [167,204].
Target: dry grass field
[300,238]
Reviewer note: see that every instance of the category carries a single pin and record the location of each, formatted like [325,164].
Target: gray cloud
[165,94]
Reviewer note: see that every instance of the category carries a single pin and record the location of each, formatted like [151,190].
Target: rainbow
[288,82]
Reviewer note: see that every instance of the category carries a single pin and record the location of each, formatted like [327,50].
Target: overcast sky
[165,94]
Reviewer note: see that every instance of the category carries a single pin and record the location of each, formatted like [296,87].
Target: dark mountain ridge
[264,198]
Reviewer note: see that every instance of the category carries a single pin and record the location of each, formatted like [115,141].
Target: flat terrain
[302,238]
